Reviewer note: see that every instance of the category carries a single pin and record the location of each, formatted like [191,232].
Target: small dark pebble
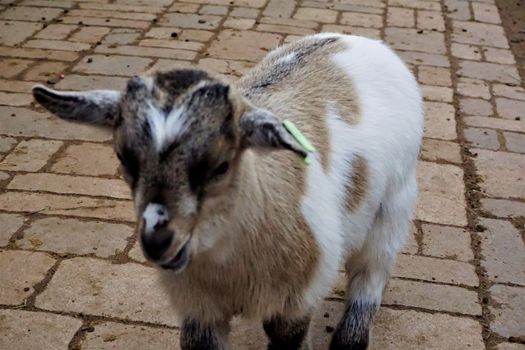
[107,20]
[420,31]
[89,60]
[44,25]
[517,118]
[485,300]
[99,42]
[66,11]
[326,315]
[155,20]
[50,82]
[90,329]
[26,289]
[463,30]
[174,35]
[433,278]
[480,228]
[186,40]
[127,65]
[13,115]
[80,22]
[329,329]
[201,21]
[43,18]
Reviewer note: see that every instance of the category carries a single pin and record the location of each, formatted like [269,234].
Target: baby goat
[237,223]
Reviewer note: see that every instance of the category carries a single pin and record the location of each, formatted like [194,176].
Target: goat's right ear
[92,107]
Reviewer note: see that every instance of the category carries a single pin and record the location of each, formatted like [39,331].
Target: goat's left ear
[93,107]
[260,128]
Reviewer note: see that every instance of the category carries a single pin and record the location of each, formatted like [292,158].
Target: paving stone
[438,150]
[248,3]
[503,208]
[447,242]
[417,4]
[361,20]
[15,99]
[475,106]
[436,93]
[87,159]
[91,82]
[36,330]
[3,176]
[246,12]
[57,45]
[174,44]
[499,55]
[400,17]
[412,330]
[280,8]
[111,335]
[434,76]
[20,271]
[27,13]
[213,10]
[30,155]
[502,173]
[430,20]
[424,58]
[504,252]
[94,287]
[361,31]
[317,15]
[45,71]
[121,36]
[112,14]
[479,34]
[10,224]
[190,21]
[184,8]
[239,23]
[11,67]
[411,39]
[146,52]
[440,121]
[432,296]
[72,236]
[113,65]
[495,123]
[441,194]
[56,31]
[482,138]
[510,109]
[165,65]
[13,33]
[485,13]
[435,270]
[275,28]
[53,204]
[196,35]
[162,33]
[67,184]
[458,9]
[16,86]
[90,34]
[7,143]
[515,142]
[225,66]
[247,45]
[465,51]
[118,23]
[513,92]
[508,312]
[38,54]
[473,88]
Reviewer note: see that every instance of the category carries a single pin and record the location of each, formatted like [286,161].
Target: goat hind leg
[287,333]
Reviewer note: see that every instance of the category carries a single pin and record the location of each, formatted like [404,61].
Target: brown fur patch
[294,93]
[358,187]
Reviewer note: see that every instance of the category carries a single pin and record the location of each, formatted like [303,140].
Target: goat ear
[260,128]
[92,107]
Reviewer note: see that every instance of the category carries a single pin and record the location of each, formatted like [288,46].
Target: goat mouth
[180,261]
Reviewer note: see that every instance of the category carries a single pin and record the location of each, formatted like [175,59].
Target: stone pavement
[71,274]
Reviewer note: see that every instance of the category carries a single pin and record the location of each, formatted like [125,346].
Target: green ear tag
[300,138]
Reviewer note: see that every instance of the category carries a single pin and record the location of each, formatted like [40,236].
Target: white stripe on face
[154,215]
[166,128]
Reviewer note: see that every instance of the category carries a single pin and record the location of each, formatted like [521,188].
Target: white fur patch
[154,214]
[166,129]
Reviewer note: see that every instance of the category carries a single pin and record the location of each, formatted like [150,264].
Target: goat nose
[156,237]
[155,244]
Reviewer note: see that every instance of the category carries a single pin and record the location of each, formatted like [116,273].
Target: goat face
[179,136]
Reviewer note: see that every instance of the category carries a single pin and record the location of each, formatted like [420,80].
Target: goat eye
[221,169]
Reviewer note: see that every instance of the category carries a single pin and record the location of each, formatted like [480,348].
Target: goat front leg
[196,335]
[286,333]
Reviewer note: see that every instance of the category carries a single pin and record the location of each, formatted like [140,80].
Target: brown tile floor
[71,274]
